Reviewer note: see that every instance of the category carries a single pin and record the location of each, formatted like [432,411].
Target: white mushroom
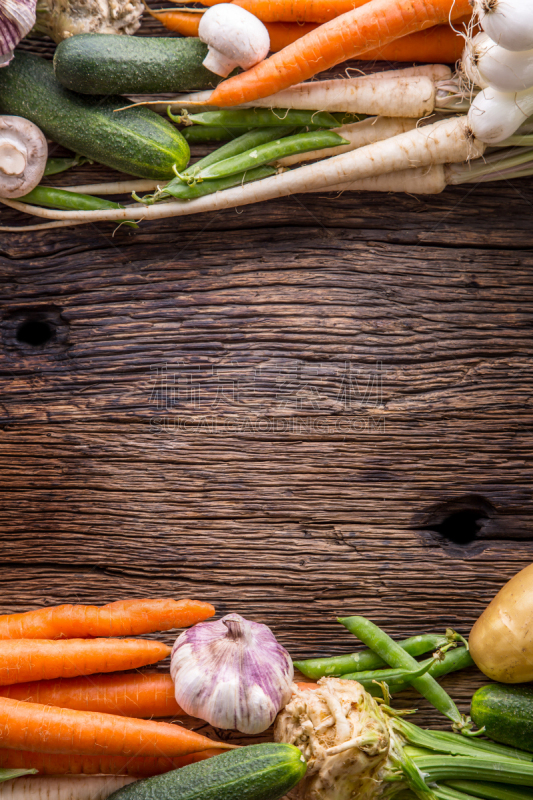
[235,38]
[23,154]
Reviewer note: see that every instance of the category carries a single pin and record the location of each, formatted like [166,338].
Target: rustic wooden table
[320,405]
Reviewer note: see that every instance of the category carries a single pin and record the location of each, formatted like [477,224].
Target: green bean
[258,117]
[271,151]
[184,192]
[50,197]
[366,659]
[392,653]
[245,142]
[197,134]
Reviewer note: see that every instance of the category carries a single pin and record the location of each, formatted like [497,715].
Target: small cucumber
[506,712]
[136,141]
[97,63]
[257,772]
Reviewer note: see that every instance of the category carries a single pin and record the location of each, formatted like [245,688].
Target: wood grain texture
[275,410]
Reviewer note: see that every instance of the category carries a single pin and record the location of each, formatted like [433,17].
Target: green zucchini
[506,712]
[136,141]
[97,63]
[257,772]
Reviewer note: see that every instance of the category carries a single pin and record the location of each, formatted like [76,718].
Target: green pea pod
[201,188]
[366,659]
[245,142]
[271,151]
[258,117]
[198,134]
[49,197]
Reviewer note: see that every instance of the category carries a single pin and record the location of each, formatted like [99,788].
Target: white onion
[509,23]
[494,66]
[474,48]
[494,115]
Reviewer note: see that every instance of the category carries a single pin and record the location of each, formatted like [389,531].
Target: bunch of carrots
[288,21]
[60,713]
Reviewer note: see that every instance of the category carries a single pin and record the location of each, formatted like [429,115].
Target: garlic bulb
[17,18]
[232,673]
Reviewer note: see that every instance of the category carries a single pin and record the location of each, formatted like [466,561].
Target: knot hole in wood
[31,330]
[461,521]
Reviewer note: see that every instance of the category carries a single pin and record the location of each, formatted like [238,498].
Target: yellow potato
[501,641]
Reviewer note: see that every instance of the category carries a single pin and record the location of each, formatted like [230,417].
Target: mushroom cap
[238,36]
[21,143]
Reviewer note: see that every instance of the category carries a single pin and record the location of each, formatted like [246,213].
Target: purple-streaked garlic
[17,18]
[232,673]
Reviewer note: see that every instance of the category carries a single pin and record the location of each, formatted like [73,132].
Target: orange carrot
[437,45]
[298,10]
[45,729]
[140,766]
[284,33]
[184,22]
[124,618]
[24,660]
[440,44]
[373,25]
[187,23]
[137,694]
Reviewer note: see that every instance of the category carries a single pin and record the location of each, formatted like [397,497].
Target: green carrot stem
[490,791]
[366,659]
[450,768]
[452,744]
[392,653]
[9,774]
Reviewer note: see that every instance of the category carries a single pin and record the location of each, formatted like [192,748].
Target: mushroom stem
[12,157]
